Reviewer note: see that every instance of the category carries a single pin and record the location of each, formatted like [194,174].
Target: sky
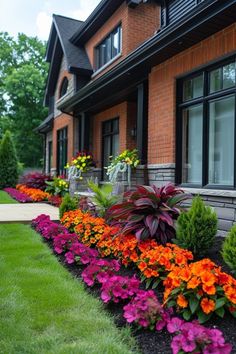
[34,17]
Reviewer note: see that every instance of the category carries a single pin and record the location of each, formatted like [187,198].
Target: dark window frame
[205,101]
[111,133]
[63,87]
[62,140]
[109,36]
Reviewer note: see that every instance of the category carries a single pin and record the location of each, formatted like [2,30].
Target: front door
[110,142]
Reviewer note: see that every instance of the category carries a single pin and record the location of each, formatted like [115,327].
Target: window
[61,150]
[109,48]
[64,87]
[206,128]
[49,157]
[110,141]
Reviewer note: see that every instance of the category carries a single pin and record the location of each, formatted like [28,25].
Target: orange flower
[207,305]
[209,289]
[208,278]
[193,283]
[182,301]
[142,266]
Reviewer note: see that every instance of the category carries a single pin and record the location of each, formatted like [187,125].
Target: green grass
[43,309]
[6,199]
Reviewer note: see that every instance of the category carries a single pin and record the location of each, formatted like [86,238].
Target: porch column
[85,126]
[142,121]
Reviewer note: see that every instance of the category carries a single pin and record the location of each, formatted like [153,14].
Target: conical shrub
[196,229]
[8,162]
[229,249]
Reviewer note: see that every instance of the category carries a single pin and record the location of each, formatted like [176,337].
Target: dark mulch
[155,342]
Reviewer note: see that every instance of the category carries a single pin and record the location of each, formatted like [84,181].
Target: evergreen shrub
[229,249]
[196,228]
[9,170]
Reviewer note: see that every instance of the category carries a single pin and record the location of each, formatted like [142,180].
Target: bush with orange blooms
[34,193]
[200,289]
[158,260]
[89,229]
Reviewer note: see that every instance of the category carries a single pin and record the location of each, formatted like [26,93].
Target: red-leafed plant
[149,212]
[36,180]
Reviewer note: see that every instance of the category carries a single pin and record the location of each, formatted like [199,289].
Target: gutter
[164,38]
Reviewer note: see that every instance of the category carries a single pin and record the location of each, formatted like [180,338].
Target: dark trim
[98,17]
[205,100]
[207,18]
[142,121]
[105,135]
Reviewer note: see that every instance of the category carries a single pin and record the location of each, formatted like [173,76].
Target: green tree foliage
[229,249]
[8,162]
[23,74]
[196,229]
[68,203]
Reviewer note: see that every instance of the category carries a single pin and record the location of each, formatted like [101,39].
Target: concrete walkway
[24,213]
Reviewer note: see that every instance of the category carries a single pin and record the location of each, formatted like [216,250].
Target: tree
[23,73]
[8,162]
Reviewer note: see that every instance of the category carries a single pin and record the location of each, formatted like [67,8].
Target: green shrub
[229,249]
[103,197]
[196,229]
[9,170]
[68,203]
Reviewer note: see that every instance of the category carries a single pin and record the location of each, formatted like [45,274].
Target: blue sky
[33,17]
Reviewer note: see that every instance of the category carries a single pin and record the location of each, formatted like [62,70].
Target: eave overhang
[205,20]
[46,125]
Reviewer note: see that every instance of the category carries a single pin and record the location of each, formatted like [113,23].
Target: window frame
[111,134]
[205,101]
[109,36]
[63,87]
[64,142]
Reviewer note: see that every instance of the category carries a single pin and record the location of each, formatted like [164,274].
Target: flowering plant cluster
[117,288]
[146,311]
[99,270]
[55,200]
[57,187]
[200,288]
[143,308]
[35,194]
[191,337]
[17,195]
[89,228]
[82,161]
[130,157]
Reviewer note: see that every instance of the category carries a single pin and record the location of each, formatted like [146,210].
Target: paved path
[26,212]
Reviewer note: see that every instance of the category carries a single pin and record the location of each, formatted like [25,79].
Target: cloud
[43,23]
[84,10]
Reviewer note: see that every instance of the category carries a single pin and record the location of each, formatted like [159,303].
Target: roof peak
[68,18]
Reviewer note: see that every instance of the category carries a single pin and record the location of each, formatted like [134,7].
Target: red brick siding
[138,25]
[162,96]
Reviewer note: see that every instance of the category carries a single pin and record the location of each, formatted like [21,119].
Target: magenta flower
[17,195]
[175,325]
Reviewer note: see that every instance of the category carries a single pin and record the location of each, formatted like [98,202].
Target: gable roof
[58,45]
[76,56]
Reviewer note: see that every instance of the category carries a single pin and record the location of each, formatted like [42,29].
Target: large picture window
[206,128]
[62,142]
[109,48]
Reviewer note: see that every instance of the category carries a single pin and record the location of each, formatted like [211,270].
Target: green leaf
[187,315]
[202,317]
[171,303]
[220,312]
[148,283]
[156,283]
[220,302]
[193,304]
[175,291]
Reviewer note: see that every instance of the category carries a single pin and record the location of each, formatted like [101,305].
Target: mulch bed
[155,342]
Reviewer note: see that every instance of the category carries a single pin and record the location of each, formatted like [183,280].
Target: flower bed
[141,307]
[17,195]
[35,194]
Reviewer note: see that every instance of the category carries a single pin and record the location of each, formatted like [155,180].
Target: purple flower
[175,325]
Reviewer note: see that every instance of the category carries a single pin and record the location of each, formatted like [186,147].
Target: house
[158,75]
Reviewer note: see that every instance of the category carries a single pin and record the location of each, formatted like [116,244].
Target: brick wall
[126,112]
[162,97]
[138,25]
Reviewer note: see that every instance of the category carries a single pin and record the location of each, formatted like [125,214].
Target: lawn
[6,199]
[43,309]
